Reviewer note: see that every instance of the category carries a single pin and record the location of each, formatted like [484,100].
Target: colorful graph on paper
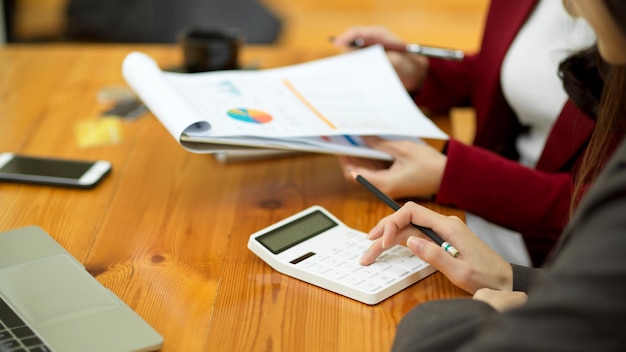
[249,115]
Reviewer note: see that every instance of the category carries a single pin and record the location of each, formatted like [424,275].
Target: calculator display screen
[295,232]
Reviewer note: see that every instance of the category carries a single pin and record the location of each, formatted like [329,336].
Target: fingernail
[362,261]
[412,242]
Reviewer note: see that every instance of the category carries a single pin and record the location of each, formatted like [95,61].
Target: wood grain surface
[167,229]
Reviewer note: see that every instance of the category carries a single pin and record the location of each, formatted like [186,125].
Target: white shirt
[529,76]
[533,89]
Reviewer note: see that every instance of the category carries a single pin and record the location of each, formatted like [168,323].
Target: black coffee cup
[210,48]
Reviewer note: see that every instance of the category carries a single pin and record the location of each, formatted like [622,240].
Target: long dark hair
[610,128]
[599,90]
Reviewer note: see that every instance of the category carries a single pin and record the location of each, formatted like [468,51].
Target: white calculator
[315,247]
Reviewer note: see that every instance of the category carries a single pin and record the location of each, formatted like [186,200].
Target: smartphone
[52,171]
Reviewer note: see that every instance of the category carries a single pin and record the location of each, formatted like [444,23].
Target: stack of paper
[321,106]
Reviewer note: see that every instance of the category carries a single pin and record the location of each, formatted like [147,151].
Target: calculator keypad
[341,263]
[317,248]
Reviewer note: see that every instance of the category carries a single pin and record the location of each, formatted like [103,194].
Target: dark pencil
[395,206]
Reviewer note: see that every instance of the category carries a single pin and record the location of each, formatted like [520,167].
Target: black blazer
[576,303]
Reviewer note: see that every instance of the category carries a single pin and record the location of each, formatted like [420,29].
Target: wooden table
[167,230]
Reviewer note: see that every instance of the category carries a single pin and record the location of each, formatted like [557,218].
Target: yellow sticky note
[97,132]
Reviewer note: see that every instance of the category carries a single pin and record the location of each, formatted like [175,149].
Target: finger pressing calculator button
[317,248]
[380,265]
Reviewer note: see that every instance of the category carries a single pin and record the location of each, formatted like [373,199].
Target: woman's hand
[501,300]
[416,171]
[478,266]
[411,68]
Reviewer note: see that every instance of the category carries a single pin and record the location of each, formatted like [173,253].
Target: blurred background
[294,23]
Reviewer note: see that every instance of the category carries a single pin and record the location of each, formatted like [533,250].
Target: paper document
[320,106]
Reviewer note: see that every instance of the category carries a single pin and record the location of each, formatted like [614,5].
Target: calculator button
[411,263]
[383,255]
[383,279]
[335,250]
[352,280]
[349,243]
[402,250]
[396,272]
[333,262]
[348,255]
[336,274]
[379,265]
[352,234]
[350,267]
[369,286]
[362,247]
[320,268]
[307,263]
[366,272]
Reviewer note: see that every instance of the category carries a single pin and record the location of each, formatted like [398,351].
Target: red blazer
[484,179]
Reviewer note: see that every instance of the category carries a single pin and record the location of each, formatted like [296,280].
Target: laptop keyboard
[15,335]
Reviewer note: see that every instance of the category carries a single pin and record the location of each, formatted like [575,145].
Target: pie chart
[249,115]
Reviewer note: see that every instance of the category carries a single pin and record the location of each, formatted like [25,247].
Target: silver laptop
[49,302]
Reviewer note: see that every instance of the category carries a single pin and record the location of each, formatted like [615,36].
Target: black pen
[440,53]
[395,206]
